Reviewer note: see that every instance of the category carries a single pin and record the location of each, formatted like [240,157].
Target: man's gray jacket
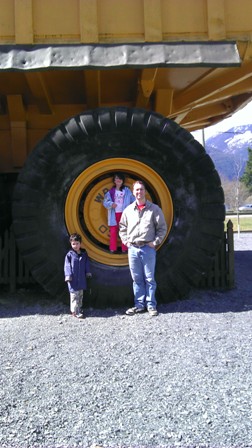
[142,227]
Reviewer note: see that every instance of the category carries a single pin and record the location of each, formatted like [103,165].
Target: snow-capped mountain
[229,150]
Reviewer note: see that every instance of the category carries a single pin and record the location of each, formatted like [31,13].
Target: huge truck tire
[61,187]
[5,205]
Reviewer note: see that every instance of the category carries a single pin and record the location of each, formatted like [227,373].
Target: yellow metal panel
[16,108]
[7,21]
[164,101]
[193,96]
[39,91]
[245,50]
[152,21]
[120,20]
[202,114]
[23,22]
[184,19]
[93,88]
[216,19]
[68,21]
[56,20]
[88,21]
[205,90]
[238,19]
[145,86]
[118,87]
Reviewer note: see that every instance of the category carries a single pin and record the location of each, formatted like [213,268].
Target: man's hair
[75,237]
[139,182]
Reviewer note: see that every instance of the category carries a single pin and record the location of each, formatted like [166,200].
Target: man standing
[142,229]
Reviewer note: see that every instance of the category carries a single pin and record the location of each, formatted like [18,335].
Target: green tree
[246,178]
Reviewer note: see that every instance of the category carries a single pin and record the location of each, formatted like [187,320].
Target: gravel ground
[182,379]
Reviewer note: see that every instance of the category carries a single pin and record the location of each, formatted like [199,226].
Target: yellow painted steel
[85,21]
[194,97]
[95,215]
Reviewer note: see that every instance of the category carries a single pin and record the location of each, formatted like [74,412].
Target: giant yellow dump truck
[89,87]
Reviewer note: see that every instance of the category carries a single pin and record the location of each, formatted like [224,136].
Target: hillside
[229,150]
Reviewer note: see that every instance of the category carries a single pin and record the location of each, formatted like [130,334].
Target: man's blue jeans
[142,262]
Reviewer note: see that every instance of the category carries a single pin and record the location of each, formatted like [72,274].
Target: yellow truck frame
[146,68]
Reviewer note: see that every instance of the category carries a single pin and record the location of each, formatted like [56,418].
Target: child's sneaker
[78,315]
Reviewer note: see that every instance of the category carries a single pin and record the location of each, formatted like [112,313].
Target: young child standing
[116,200]
[76,269]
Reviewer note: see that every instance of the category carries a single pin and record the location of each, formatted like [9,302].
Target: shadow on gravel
[236,300]
[34,300]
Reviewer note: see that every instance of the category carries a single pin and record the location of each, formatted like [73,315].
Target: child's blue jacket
[76,266]
[109,200]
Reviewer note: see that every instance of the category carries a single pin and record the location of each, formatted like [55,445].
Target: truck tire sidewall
[189,173]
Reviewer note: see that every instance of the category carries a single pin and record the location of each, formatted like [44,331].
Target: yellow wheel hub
[86,215]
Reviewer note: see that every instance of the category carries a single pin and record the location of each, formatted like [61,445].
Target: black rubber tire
[189,173]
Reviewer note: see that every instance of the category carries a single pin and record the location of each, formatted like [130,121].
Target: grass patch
[245,223]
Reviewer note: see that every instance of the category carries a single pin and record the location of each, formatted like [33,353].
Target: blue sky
[244,116]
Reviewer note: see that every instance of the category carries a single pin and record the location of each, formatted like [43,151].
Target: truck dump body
[196,85]
[88,87]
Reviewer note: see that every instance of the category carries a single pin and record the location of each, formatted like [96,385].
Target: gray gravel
[182,379]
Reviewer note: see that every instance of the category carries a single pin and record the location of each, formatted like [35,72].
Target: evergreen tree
[246,178]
